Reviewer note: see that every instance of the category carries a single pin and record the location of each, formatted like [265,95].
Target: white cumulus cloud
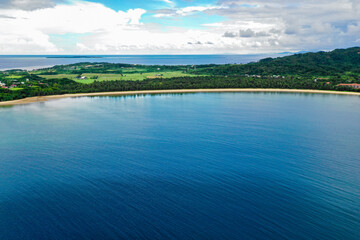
[248,26]
[30,31]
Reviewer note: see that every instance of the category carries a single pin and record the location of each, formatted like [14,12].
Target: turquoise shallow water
[182,166]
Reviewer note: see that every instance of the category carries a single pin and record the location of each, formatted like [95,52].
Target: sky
[177,26]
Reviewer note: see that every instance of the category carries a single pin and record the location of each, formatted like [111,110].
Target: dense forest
[63,86]
[334,63]
[322,70]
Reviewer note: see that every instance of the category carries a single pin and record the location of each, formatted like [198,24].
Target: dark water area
[182,166]
[27,62]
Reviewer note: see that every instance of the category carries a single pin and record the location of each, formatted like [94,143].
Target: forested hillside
[334,63]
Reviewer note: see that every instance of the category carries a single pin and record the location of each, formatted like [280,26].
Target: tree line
[66,86]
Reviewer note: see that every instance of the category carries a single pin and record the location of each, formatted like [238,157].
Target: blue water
[185,166]
[34,62]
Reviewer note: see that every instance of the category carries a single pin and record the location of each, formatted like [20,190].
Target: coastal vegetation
[322,70]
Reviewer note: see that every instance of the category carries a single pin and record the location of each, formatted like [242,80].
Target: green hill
[332,63]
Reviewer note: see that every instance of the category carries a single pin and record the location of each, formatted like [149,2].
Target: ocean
[30,62]
[182,166]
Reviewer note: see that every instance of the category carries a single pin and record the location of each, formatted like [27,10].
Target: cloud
[247,33]
[246,26]
[112,32]
[30,31]
[186,11]
[189,10]
[171,3]
[230,34]
[290,25]
[5,16]
[28,5]
[200,43]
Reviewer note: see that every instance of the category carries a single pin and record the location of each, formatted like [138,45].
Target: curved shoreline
[123,93]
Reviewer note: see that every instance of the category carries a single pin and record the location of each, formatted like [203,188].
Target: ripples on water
[182,166]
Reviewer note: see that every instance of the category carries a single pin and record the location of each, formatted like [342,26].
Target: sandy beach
[54,97]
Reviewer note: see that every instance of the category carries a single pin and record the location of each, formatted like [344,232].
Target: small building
[352,85]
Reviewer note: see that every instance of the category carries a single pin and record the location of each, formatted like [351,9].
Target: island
[338,70]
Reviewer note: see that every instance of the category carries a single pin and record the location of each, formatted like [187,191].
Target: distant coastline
[74,57]
[124,93]
[34,62]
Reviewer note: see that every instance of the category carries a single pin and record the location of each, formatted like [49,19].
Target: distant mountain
[282,53]
[286,53]
[303,51]
[321,63]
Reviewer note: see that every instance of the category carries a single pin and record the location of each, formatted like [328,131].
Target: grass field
[69,76]
[125,76]
[13,77]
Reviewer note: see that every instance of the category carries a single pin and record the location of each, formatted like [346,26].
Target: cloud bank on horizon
[176,26]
